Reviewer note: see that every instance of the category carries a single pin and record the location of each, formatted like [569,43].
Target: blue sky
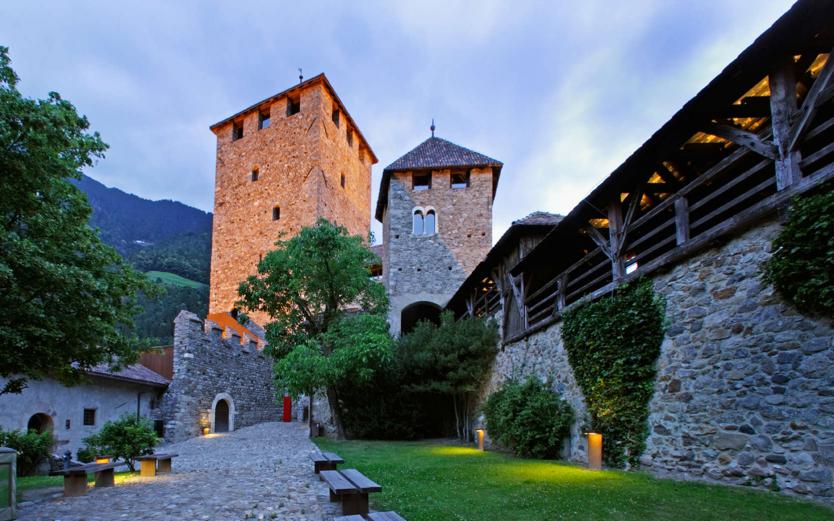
[561,92]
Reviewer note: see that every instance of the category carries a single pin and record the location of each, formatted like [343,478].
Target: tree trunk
[332,399]
[457,417]
[310,417]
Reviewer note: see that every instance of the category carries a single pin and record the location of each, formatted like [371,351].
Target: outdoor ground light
[480,434]
[8,469]
[206,431]
[594,451]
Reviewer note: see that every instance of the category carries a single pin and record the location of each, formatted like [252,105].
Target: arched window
[417,223]
[430,226]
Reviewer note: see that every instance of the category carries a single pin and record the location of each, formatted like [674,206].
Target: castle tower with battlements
[281,164]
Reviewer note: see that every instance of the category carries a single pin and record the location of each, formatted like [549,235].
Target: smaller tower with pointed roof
[435,206]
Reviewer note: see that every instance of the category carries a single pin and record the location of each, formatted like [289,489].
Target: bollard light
[206,431]
[103,459]
[480,433]
[8,470]
[594,451]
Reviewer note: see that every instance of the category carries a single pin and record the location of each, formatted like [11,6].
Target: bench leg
[105,478]
[353,504]
[75,485]
[333,497]
[148,469]
[164,466]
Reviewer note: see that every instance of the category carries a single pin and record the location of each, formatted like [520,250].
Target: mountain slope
[130,223]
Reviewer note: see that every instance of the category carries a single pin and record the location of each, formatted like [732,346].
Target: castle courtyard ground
[258,472]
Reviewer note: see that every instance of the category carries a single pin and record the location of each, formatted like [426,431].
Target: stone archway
[416,312]
[222,415]
[40,423]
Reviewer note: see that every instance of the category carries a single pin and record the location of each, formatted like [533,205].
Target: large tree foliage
[450,359]
[65,297]
[327,315]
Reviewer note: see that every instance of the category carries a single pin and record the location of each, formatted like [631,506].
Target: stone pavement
[258,472]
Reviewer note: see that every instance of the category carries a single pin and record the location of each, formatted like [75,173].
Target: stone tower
[435,206]
[281,164]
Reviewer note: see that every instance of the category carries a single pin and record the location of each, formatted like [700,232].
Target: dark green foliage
[126,439]
[528,418]
[451,359]
[155,322]
[187,255]
[132,224]
[802,265]
[612,347]
[87,454]
[306,285]
[32,448]
[66,299]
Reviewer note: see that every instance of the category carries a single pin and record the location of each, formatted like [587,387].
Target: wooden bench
[75,478]
[376,516]
[149,462]
[326,461]
[352,488]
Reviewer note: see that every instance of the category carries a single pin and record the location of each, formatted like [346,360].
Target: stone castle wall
[744,393]
[208,367]
[300,160]
[431,268]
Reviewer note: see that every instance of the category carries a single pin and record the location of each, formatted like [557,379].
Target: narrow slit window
[237,130]
[417,223]
[276,213]
[421,181]
[460,179]
[255,174]
[350,137]
[293,106]
[342,180]
[263,119]
[336,116]
[430,225]
[89,416]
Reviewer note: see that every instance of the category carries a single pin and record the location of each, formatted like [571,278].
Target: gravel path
[259,472]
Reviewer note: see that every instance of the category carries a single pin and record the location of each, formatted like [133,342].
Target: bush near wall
[613,344]
[32,448]
[802,265]
[529,418]
[126,438]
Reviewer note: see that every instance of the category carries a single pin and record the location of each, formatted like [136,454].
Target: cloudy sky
[561,92]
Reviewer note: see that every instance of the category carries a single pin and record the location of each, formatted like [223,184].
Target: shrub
[529,418]
[32,448]
[126,438]
[86,454]
[802,265]
[612,346]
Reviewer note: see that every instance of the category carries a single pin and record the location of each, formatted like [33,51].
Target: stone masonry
[745,386]
[272,181]
[208,367]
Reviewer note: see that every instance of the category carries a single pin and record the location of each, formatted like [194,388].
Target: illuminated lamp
[206,431]
[594,451]
[480,434]
[103,459]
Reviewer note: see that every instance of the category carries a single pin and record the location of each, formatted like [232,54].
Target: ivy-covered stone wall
[744,392]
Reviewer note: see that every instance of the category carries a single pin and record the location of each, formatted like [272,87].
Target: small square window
[89,416]
[421,181]
[343,180]
[293,106]
[263,119]
[336,117]
[237,130]
[350,137]
[276,213]
[255,174]
[459,179]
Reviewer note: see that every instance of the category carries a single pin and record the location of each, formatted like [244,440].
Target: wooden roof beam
[743,138]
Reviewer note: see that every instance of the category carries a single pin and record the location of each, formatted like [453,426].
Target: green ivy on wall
[613,344]
[802,265]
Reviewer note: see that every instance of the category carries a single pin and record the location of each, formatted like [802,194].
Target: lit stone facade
[272,181]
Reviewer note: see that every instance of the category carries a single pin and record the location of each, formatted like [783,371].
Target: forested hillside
[167,238]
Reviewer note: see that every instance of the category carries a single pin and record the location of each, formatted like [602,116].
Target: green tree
[127,438]
[66,299]
[327,315]
[451,359]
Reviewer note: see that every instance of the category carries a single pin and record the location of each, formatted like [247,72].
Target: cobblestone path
[259,472]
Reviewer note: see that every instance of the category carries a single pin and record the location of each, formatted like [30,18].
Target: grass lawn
[425,481]
[173,279]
